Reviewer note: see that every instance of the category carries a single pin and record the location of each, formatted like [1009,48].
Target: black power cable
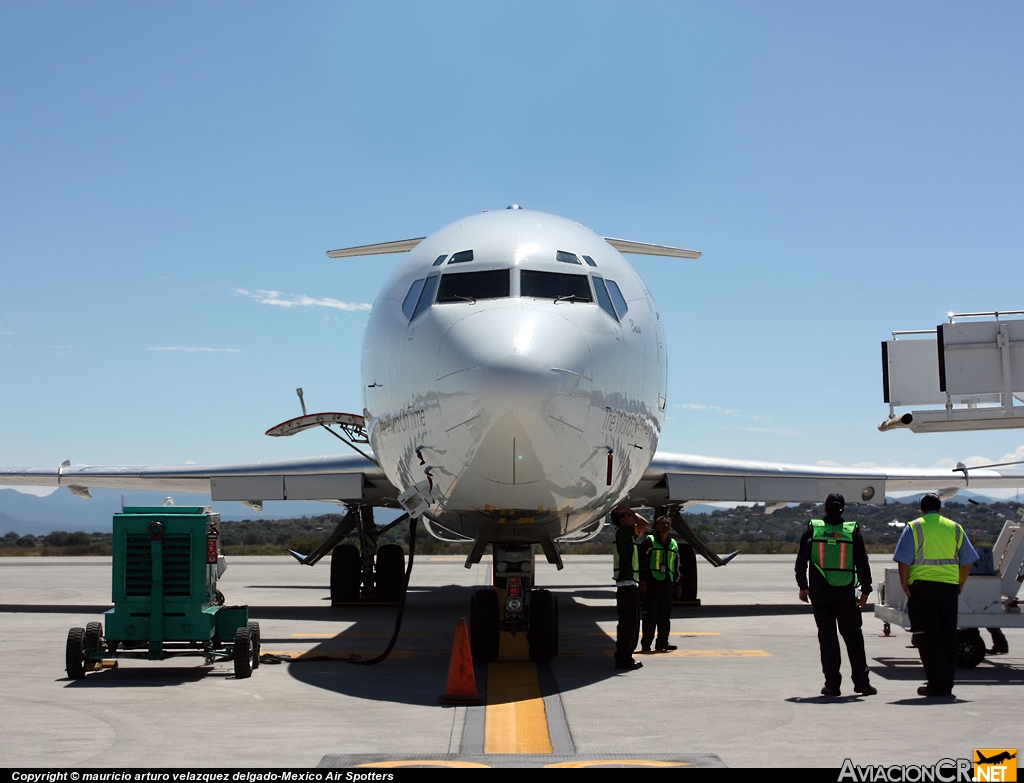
[401,606]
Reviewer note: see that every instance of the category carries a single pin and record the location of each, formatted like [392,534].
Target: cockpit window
[617,299]
[440,259]
[409,303]
[567,258]
[554,286]
[461,257]
[426,295]
[603,299]
[471,286]
[590,261]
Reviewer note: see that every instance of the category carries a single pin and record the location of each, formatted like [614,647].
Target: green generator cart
[166,563]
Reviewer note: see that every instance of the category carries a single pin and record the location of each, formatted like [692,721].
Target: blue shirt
[905,549]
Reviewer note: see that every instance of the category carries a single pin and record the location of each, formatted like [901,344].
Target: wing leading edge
[676,478]
[350,478]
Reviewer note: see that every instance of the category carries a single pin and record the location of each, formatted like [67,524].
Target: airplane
[515,389]
[996,759]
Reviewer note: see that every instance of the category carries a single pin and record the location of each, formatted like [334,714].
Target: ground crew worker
[834,550]
[659,584]
[630,528]
[935,558]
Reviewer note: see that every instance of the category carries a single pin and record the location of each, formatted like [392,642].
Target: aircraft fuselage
[514,371]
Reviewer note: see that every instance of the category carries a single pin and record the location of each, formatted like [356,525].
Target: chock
[461,688]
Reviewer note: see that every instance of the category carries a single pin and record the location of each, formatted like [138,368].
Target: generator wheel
[390,573]
[254,634]
[970,648]
[74,658]
[243,653]
[542,636]
[345,574]
[484,628]
[94,637]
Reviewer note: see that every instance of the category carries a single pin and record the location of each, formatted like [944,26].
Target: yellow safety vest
[937,543]
[663,559]
[635,565]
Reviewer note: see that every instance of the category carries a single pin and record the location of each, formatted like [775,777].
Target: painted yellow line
[515,720]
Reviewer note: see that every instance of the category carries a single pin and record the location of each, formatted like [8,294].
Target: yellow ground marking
[313,655]
[515,720]
[616,763]
[513,648]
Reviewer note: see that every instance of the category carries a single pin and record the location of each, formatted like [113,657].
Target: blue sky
[171,175]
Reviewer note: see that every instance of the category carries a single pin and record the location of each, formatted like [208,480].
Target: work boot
[829,690]
[865,689]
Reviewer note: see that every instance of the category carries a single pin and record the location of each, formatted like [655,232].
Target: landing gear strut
[366,572]
[513,605]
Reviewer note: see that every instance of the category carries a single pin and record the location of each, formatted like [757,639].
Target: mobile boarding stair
[166,562]
[988,600]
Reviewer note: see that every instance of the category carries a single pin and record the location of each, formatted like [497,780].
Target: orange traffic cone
[461,679]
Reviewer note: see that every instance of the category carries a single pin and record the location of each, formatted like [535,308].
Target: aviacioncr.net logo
[995,764]
[942,771]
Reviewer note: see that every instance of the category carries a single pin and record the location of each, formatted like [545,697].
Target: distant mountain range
[60,510]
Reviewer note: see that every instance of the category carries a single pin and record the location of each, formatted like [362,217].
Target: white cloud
[189,349]
[692,406]
[973,462]
[301,300]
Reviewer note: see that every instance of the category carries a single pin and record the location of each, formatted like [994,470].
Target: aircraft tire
[970,648]
[254,635]
[242,654]
[542,636]
[484,629]
[390,573]
[74,657]
[345,574]
[688,573]
[94,637]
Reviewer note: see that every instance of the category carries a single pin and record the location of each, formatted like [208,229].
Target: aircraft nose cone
[516,402]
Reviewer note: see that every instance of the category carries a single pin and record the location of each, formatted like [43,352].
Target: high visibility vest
[937,543]
[832,551]
[664,560]
[615,559]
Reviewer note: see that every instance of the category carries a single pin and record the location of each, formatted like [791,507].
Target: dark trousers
[835,608]
[627,632]
[932,608]
[657,605]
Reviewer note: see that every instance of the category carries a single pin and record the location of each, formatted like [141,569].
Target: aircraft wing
[676,478]
[335,478]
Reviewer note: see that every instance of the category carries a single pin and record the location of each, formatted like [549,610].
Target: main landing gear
[367,572]
[513,605]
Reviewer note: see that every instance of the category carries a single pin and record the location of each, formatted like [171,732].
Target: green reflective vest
[832,551]
[663,560]
[622,534]
[937,543]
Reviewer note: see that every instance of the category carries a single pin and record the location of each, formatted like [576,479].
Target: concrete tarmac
[741,691]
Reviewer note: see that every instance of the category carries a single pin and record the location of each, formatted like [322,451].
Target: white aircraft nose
[515,403]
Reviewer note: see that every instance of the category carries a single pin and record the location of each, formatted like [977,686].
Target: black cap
[834,504]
